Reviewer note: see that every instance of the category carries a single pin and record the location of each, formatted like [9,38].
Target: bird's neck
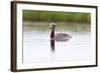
[52,33]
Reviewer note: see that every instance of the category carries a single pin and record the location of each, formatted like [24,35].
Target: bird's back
[62,37]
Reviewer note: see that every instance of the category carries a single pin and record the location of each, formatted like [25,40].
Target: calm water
[36,46]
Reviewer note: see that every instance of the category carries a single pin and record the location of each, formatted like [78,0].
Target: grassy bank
[49,16]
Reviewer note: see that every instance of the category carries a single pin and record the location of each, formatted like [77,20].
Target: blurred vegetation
[60,27]
[48,16]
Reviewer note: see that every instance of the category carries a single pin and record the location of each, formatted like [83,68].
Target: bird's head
[52,25]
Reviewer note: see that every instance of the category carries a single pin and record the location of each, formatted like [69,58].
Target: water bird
[58,36]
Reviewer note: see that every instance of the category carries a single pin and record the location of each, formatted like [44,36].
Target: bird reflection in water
[52,45]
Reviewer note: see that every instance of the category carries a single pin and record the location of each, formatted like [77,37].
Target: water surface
[36,43]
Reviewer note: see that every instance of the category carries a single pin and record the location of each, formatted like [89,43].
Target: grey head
[52,26]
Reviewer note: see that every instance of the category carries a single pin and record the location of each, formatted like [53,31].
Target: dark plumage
[59,36]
